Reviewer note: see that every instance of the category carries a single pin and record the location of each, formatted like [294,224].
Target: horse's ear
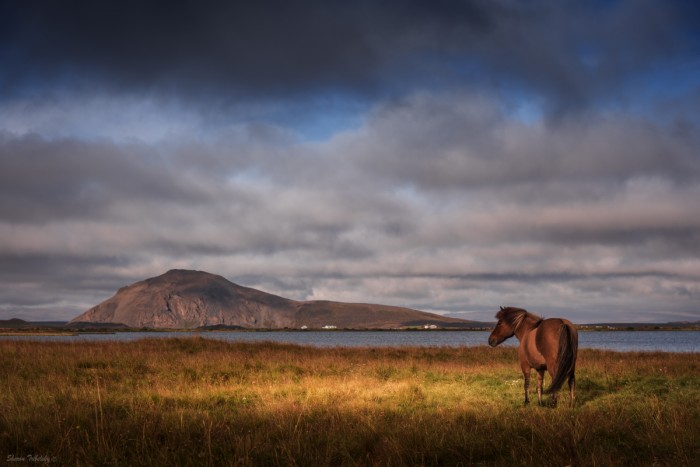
[502,308]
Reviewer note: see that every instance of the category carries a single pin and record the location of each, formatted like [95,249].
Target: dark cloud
[235,46]
[569,52]
[525,153]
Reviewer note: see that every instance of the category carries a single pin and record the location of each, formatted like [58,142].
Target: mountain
[13,323]
[191,299]
[16,323]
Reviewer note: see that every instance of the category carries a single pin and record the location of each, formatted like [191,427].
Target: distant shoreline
[30,330]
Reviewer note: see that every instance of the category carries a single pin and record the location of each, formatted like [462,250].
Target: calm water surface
[667,341]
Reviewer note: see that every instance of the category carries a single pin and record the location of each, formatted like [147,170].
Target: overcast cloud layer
[446,156]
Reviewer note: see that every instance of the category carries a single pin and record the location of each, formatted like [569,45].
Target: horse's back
[549,333]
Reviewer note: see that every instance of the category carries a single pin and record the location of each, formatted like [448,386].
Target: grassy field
[193,401]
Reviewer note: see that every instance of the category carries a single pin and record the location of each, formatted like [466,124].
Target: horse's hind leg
[572,385]
[540,380]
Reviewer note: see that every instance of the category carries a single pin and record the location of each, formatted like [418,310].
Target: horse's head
[503,330]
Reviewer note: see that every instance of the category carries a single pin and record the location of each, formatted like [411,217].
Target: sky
[449,156]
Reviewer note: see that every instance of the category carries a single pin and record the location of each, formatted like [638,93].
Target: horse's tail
[566,358]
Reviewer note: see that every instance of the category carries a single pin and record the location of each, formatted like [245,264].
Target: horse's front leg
[526,375]
[540,380]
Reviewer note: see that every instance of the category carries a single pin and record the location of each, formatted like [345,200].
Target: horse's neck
[525,327]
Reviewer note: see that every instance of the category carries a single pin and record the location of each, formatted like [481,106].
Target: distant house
[329,326]
[430,326]
[304,327]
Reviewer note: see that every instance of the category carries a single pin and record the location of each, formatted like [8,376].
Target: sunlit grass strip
[195,401]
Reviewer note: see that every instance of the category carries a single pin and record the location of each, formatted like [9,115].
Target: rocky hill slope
[191,299]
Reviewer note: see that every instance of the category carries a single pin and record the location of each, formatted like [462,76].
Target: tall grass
[194,401]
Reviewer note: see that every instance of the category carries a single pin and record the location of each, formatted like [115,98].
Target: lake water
[667,341]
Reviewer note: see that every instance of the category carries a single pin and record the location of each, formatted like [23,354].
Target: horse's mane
[516,316]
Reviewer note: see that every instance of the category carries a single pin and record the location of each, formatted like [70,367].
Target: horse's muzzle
[493,342]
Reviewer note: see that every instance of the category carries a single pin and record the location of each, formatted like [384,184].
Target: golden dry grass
[194,401]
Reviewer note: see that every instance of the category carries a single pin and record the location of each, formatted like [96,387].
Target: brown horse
[545,344]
